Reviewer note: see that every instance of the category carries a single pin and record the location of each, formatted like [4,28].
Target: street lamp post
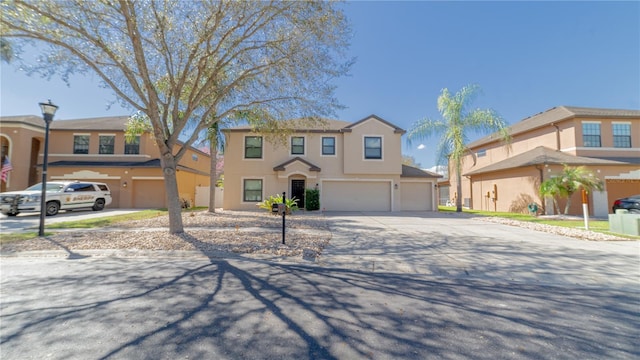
[48,110]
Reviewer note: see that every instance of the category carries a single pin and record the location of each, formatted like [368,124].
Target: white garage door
[356,196]
[416,196]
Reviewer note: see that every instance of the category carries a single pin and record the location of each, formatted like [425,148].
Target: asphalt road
[387,287]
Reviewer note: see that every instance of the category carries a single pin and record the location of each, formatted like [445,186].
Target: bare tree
[191,62]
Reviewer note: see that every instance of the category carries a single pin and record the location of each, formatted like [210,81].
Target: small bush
[312,199]
[290,203]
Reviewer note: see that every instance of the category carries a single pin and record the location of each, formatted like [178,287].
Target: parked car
[61,195]
[631,203]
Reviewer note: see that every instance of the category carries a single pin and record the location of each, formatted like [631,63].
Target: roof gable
[395,128]
[285,164]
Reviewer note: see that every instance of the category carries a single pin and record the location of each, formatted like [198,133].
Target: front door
[297,191]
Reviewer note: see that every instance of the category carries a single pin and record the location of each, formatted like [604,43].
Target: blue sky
[526,56]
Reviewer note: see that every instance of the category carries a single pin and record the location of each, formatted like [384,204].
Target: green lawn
[601,226]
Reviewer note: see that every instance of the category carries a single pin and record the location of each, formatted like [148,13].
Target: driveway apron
[455,245]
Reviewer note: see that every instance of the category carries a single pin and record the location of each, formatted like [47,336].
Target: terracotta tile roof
[414,172]
[541,156]
[558,114]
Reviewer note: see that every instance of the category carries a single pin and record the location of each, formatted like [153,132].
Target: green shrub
[290,203]
[312,199]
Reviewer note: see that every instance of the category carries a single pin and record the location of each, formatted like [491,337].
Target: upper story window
[481,153]
[133,146]
[80,144]
[107,143]
[253,147]
[252,190]
[591,134]
[372,147]
[328,145]
[297,145]
[621,135]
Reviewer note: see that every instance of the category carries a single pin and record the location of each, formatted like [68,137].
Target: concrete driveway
[457,246]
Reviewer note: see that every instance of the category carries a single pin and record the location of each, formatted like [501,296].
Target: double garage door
[356,196]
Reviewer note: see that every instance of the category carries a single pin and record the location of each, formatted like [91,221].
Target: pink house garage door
[355,196]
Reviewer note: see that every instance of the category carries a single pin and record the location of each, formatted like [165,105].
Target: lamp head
[48,110]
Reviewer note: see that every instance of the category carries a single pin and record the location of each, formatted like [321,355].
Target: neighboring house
[356,166]
[499,177]
[95,149]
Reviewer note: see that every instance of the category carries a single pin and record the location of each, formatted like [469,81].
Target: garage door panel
[149,194]
[356,196]
[416,196]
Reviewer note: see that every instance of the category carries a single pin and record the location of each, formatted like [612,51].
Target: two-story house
[506,177]
[96,149]
[356,166]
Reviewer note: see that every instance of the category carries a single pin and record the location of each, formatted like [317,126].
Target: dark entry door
[297,191]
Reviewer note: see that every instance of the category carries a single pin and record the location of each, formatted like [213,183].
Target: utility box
[624,223]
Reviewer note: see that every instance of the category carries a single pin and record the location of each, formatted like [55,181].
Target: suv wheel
[98,205]
[52,208]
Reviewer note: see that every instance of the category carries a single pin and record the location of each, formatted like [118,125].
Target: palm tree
[216,143]
[456,123]
[573,179]
[553,188]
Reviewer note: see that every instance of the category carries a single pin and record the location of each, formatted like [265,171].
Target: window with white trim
[253,147]
[252,190]
[621,135]
[80,144]
[132,147]
[297,145]
[591,134]
[328,145]
[373,147]
[107,143]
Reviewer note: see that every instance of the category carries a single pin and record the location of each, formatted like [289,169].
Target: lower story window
[252,190]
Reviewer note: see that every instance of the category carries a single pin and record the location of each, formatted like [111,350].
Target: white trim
[82,134]
[621,122]
[390,181]
[107,134]
[147,178]
[364,157]
[304,145]
[85,175]
[600,149]
[242,179]
[591,122]
[286,176]
[244,148]
[335,146]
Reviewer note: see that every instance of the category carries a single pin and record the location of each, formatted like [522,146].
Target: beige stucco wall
[347,164]
[517,186]
[19,139]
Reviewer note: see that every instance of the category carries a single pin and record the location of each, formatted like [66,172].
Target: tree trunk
[213,179]
[568,204]
[174,207]
[458,186]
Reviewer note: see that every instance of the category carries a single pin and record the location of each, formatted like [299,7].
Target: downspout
[557,136]
[541,198]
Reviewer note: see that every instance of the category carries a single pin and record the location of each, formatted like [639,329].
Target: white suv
[61,195]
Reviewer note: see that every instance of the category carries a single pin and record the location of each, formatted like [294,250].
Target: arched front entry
[297,186]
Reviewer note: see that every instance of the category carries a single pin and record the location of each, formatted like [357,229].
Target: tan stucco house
[501,177]
[95,149]
[356,166]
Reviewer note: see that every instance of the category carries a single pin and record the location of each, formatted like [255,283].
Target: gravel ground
[227,231]
[231,232]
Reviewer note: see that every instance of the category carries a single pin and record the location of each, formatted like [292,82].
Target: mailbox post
[283,209]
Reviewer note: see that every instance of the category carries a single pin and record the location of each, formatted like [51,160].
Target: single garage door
[416,196]
[149,194]
[356,196]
